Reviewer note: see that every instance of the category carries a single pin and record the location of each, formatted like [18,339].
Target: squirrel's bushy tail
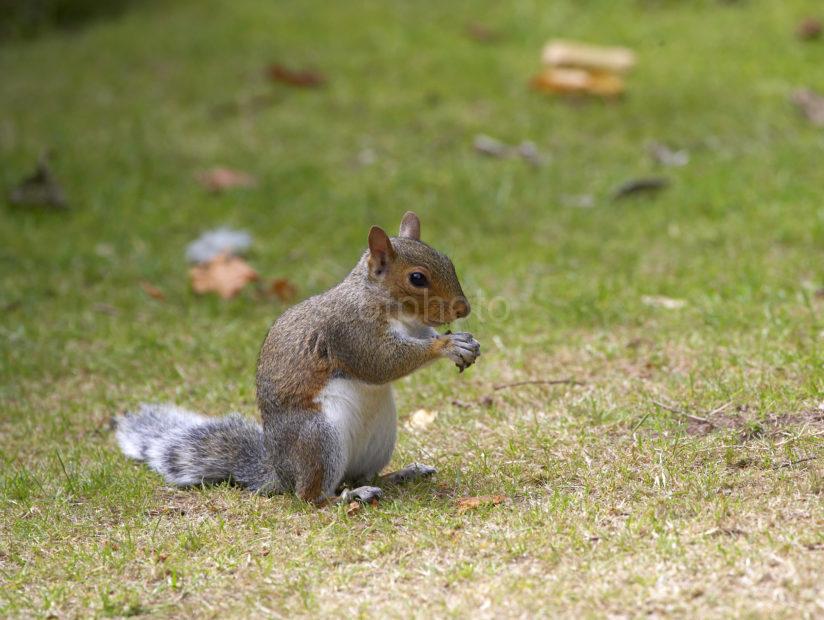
[188,448]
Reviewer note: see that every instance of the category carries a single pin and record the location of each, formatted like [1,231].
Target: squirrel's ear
[380,250]
[410,226]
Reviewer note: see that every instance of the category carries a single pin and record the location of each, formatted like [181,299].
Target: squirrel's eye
[416,278]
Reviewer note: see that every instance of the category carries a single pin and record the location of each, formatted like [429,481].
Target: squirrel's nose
[461,308]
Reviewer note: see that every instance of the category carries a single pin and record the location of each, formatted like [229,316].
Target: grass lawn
[615,506]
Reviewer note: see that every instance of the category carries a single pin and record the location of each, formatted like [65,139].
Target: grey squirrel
[324,379]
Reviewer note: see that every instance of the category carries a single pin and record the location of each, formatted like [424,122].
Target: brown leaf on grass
[353,508]
[481,33]
[283,289]
[300,78]
[39,189]
[811,105]
[152,291]
[471,503]
[808,29]
[225,275]
[106,309]
[576,68]
[219,179]
[575,81]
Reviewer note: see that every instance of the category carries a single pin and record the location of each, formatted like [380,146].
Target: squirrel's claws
[463,350]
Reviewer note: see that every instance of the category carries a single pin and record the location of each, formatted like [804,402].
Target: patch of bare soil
[746,421]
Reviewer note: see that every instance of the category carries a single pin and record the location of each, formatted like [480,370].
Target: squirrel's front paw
[462,349]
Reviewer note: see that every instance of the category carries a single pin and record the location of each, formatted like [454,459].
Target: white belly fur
[365,418]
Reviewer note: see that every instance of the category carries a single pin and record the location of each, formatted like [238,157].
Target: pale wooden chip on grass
[472,503]
[225,275]
[575,68]
[586,56]
[659,301]
[421,419]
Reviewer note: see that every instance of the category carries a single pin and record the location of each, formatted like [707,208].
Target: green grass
[615,506]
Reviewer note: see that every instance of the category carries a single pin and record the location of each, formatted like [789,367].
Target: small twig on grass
[719,409]
[689,416]
[791,463]
[503,386]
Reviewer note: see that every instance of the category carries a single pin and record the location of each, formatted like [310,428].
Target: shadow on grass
[20,19]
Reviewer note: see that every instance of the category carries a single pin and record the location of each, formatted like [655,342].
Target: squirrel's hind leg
[319,461]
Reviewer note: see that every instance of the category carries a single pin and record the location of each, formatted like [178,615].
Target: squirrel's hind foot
[364,495]
[410,473]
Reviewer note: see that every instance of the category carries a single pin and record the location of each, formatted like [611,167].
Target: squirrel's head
[418,277]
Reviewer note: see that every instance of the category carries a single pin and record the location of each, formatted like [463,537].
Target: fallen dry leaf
[481,34]
[353,508]
[811,105]
[659,301]
[471,503]
[152,291]
[283,289]
[225,275]
[39,189]
[574,81]
[421,419]
[666,156]
[808,29]
[219,179]
[106,309]
[213,242]
[633,187]
[578,68]
[526,150]
[486,145]
[301,78]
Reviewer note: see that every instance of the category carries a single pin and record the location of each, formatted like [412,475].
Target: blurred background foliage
[28,18]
